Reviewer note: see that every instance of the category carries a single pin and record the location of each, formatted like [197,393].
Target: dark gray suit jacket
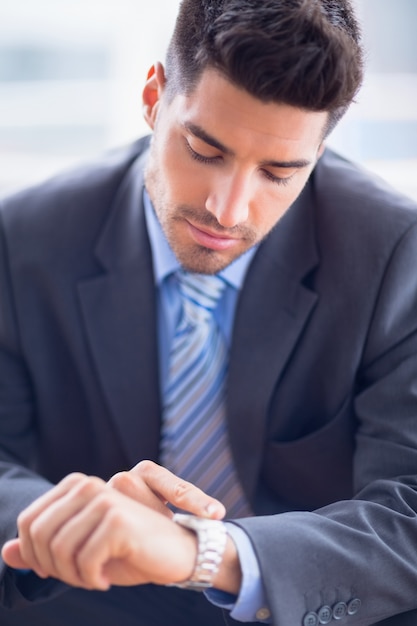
[322,389]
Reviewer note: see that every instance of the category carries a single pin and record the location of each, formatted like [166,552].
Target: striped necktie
[194,436]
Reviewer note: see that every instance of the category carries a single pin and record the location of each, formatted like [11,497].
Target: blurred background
[72,71]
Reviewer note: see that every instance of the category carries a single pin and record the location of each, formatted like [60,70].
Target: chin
[202,260]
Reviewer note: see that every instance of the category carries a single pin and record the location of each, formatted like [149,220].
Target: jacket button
[340,610]
[311,619]
[354,606]
[325,615]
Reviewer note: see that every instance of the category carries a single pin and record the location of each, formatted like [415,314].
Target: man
[319,321]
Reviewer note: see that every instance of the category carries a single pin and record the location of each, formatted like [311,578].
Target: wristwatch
[211,542]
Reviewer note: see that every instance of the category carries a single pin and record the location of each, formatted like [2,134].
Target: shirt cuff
[251,603]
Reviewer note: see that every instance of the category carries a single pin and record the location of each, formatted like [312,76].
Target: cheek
[274,203]
[289,193]
[186,184]
[271,207]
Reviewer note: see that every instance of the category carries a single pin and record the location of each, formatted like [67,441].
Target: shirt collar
[165,261]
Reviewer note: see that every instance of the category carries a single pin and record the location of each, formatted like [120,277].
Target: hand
[88,534]
[93,534]
[154,486]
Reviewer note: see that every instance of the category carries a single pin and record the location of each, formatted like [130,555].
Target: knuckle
[113,518]
[70,481]
[86,568]
[181,490]
[60,549]
[36,532]
[99,503]
[84,563]
[89,486]
[145,467]
[72,478]
[23,521]
[120,480]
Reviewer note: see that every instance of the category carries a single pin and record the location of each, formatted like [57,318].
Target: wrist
[210,537]
[229,576]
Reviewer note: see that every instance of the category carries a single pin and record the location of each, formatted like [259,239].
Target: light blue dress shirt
[252,597]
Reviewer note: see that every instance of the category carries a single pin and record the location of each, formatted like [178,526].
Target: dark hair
[305,53]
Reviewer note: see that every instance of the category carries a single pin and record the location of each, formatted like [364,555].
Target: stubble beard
[172,218]
[192,256]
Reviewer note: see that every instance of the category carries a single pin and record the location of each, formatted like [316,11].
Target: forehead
[239,119]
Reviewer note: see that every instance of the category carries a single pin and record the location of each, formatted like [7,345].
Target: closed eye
[200,157]
[278,180]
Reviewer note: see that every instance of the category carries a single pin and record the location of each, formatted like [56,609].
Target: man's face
[224,167]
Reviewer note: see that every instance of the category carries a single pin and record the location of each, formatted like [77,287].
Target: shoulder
[340,183]
[67,211]
[91,186]
[355,209]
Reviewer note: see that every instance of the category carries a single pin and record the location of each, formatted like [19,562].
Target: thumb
[11,554]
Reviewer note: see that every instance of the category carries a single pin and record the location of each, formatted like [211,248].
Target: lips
[210,239]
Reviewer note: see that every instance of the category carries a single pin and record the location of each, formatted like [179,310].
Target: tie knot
[202,291]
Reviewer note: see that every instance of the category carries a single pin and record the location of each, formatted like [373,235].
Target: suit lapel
[120,319]
[272,311]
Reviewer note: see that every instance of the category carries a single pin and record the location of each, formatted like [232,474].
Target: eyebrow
[200,133]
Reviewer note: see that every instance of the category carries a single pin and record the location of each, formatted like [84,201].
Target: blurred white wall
[72,71]
[71,75]
[380,129]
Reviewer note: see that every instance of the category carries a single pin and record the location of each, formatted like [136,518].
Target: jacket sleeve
[19,484]
[364,549]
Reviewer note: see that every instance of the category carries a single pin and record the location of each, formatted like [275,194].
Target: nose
[229,199]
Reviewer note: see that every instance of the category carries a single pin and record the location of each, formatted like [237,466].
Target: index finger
[178,492]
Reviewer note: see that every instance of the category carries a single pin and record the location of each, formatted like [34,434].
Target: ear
[152,93]
[320,151]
